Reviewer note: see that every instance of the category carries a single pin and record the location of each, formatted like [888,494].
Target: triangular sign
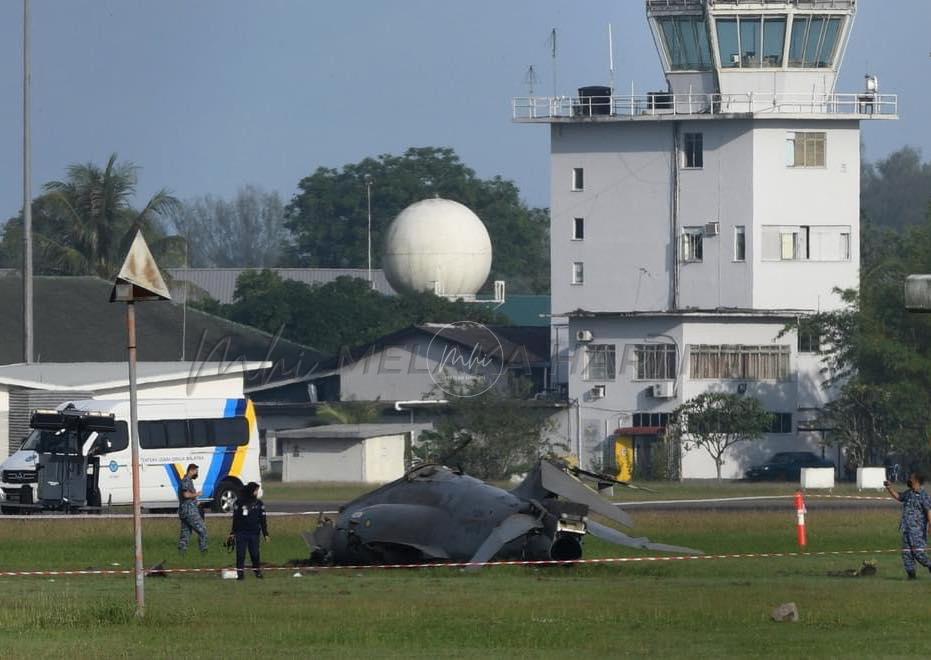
[139,278]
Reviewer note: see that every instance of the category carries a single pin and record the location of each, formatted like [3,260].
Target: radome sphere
[437,241]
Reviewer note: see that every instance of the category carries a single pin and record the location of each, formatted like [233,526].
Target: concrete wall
[322,460]
[384,459]
[805,196]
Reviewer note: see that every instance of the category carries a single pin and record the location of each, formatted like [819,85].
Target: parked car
[787,466]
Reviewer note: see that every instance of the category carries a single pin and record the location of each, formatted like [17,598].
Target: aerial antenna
[611,56]
[531,79]
[552,44]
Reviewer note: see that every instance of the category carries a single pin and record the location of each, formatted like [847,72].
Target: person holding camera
[916,516]
[248,522]
[192,519]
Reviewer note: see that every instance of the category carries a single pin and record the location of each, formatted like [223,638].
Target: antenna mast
[611,57]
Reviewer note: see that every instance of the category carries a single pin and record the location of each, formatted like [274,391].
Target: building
[352,453]
[691,227]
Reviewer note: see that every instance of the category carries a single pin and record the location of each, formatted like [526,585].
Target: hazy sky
[208,95]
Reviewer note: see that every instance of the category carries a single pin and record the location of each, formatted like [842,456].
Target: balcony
[653,5]
[659,106]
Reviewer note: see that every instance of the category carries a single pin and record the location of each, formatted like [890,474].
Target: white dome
[437,240]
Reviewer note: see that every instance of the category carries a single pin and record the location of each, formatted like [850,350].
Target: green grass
[676,609]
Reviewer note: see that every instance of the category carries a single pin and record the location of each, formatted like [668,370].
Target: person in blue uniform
[191,520]
[916,515]
[248,522]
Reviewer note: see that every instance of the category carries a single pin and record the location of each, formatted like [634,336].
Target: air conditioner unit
[712,229]
[598,392]
[584,336]
[664,390]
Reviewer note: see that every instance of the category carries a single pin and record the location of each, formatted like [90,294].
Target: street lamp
[139,280]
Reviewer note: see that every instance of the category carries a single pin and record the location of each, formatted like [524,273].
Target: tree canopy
[84,224]
[328,217]
[896,190]
[339,314]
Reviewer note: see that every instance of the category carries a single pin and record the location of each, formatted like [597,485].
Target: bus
[219,435]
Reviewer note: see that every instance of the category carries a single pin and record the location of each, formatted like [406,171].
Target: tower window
[806,149]
[578,179]
[740,243]
[751,42]
[578,229]
[578,273]
[814,41]
[694,151]
[692,239]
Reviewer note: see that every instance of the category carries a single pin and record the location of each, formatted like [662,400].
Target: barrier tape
[128,516]
[465,564]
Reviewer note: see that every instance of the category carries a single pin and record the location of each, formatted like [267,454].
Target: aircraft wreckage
[437,514]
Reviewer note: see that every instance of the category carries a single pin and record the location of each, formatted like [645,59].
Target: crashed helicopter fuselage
[435,514]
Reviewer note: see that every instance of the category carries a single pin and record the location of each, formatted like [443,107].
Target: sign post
[139,280]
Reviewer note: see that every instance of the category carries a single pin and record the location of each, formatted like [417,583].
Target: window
[692,238]
[578,229]
[184,433]
[814,41]
[734,362]
[740,243]
[578,179]
[656,361]
[751,42]
[806,243]
[578,273]
[781,423]
[694,156]
[651,420]
[118,439]
[686,42]
[806,149]
[600,362]
[809,338]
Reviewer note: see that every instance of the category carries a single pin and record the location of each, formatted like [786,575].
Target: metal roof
[220,283]
[95,375]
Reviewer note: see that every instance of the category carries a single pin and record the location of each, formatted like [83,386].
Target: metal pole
[28,349]
[134,440]
[368,190]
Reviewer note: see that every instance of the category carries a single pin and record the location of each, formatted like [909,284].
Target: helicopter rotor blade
[609,479]
[558,481]
[509,529]
[612,535]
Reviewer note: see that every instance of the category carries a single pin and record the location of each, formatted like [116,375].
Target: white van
[219,435]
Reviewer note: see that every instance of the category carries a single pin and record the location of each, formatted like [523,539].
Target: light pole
[28,349]
[368,192]
[139,280]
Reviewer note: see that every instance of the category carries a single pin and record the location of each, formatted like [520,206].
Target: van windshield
[54,441]
[31,441]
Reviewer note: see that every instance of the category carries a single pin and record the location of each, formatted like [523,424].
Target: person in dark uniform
[248,522]
[916,515]
[191,519]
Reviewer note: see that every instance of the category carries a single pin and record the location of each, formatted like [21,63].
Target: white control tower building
[690,226]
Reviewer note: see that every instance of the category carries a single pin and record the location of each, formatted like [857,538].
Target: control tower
[690,225]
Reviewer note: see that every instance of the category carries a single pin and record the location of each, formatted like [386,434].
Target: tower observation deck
[740,58]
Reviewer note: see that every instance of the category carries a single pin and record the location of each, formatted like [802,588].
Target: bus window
[118,440]
[231,432]
[176,434]
[152,435]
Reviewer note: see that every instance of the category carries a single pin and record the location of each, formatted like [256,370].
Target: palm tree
[97,221]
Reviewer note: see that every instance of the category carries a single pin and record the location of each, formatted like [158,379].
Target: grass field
[682,609]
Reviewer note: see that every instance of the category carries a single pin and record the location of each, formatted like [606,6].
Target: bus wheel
[224,499]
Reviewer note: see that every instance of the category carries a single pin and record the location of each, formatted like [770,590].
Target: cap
[192,466]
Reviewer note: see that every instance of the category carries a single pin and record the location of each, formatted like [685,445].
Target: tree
[328,217]
[341,314]
[350,412]
[716,421]
[863,421]
[491,434]
[896,191]
[246,231]
[85,224]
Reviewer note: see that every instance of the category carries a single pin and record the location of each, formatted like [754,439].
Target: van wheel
[224,499]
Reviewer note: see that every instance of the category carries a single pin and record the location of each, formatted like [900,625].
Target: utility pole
[28,348]
[368,191]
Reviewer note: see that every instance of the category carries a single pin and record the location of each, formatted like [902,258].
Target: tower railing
[801,4]
[661,104]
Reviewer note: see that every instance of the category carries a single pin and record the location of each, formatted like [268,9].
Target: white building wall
[785,195]
[384,459]
[204,387]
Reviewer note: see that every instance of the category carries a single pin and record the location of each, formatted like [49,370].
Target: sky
[209,95]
